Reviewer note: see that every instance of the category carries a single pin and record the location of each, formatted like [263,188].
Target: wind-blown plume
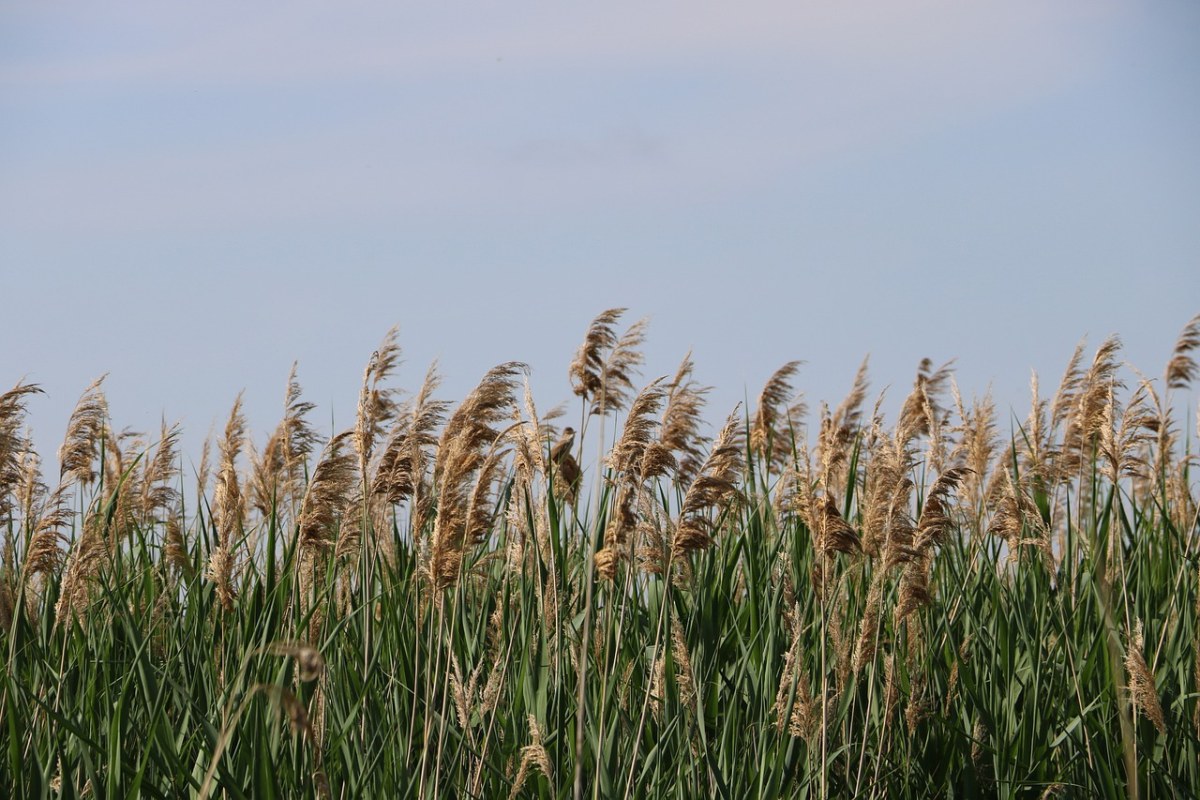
[628,453]
[714,485]
[44,554]
[839,429]
[1087,414]
[13,443]
[463,466]
[586,370]
[402,472]
[766,431]
[228,508]
[1181,369]
[679,445]
[79,451]
[331,481]
[376,406]
[158,497]
[603,367]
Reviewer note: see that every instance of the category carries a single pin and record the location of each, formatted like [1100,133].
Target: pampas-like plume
[376,406]
[79,451]
[402,472]
[679,444]
[331,481]
[922,413]
[603,367]
[298,437]
[1181,369]
[627,455]
[977,444]
[532,755]
[587,368]
[1068,388]
[933,526]
[714,485]
[13,443]
[228,509]
[44,554]
[157,496]
[839,429]
[279,472]
[463,470]
[834,534]
[766,431]
[1088,411]
[1141,680]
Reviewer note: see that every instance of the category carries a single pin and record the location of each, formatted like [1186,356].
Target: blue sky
[192,196]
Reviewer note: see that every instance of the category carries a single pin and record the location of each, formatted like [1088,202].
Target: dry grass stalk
[976,447]
[933,527]
[586,369]
[1141,681]
[628,454]
[1016,515]
[922,413]
[80,448]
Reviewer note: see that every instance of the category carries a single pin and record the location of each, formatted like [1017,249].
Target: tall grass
[434,604]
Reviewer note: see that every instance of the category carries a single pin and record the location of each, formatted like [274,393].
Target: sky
[193,196]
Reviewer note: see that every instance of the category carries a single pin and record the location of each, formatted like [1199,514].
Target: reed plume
[13,442]
[376,406]
[768,438]
[80,449]
[463,467]
[838,430]
[157,496]
[403,469]
[1181,369]
[587,368]
[715,484]
[1142,690]
[679,446]
[228,508]
[603,368]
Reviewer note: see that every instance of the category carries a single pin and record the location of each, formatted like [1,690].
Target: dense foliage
[443,603]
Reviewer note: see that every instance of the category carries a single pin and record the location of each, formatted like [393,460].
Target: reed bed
[472,600]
